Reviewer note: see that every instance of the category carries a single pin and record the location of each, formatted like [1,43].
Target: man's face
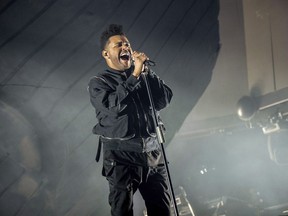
[118,52]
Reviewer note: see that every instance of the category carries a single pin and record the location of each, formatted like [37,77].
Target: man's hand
[139,59]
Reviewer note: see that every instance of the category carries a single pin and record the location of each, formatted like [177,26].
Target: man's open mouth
[125,56]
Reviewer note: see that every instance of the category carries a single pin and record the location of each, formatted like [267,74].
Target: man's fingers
[142,56]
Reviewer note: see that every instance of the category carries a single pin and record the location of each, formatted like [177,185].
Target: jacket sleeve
[161,93]
[109,98]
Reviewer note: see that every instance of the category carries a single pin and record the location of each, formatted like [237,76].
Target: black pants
[125,179]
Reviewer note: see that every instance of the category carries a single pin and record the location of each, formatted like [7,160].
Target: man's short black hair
[113,29]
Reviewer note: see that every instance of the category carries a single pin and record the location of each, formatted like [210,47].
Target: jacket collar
[116,73]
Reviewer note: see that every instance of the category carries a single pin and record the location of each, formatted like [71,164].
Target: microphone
[150,63]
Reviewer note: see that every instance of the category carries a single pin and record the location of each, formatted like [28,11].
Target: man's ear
[105,54]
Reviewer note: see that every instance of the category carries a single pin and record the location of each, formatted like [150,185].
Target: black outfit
[132,156]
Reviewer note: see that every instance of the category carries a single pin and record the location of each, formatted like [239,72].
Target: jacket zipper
[146,118]
[138,117]
[139,121]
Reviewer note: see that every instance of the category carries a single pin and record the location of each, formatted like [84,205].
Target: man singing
[132,156]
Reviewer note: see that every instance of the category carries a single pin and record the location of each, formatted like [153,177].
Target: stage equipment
[281,210]
[183,203]
[269,112]
[278,147]
[246,108]
[230,206]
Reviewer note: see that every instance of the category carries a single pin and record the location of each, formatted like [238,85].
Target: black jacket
[122,105]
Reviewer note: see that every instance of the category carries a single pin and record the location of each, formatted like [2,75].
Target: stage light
[269,111]
[246,108]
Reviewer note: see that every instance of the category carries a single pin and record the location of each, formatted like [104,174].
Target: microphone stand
[160,136]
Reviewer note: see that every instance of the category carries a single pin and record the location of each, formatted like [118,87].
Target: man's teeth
[125,54]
